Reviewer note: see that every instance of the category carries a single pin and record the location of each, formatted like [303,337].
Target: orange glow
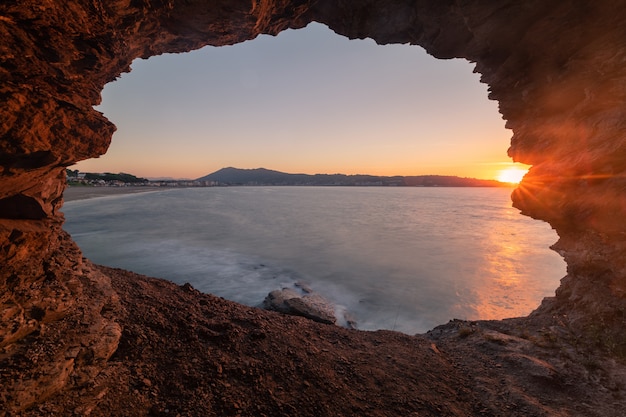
[512,175]
[390,120]
[509,293]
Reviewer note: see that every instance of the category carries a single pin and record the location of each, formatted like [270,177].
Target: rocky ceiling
[557,70]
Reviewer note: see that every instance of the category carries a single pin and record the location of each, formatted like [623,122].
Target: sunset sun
[512,175]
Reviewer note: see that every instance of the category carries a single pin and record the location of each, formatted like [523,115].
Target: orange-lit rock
[556,69]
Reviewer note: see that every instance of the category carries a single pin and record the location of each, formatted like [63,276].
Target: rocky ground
[78,340]
[184,353]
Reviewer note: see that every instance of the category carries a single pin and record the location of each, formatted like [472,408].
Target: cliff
[68,327]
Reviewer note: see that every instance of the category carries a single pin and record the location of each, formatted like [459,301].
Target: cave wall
[555,68]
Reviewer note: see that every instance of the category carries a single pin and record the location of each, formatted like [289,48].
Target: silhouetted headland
[262,176]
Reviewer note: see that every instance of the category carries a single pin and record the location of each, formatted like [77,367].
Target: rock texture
[556,69]
[191,354]
[301,300]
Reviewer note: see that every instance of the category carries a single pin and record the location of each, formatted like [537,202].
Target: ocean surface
[406,259]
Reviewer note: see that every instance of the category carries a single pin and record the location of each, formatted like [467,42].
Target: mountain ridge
[264,176]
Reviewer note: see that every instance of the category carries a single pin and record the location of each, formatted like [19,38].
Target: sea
[397,258]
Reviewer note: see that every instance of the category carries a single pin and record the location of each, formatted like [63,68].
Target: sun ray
[512,175]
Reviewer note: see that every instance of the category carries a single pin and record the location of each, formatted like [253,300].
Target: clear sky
[306,101]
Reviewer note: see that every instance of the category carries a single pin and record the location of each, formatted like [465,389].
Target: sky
[306,101]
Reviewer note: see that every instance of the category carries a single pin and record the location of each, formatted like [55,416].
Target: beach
[73,193]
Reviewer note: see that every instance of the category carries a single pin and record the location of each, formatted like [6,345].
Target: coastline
[74,193]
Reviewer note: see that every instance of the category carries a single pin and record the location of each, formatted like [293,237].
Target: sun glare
[512,175]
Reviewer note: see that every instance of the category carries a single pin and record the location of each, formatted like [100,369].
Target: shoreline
[75,193]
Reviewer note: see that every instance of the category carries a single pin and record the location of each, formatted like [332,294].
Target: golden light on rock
[556,70]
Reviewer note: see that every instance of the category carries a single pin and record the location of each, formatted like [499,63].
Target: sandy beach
[73,193]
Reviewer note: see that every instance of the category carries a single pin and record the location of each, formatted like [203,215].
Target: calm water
[396,258]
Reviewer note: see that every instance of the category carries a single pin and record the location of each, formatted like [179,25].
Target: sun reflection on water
[509,292]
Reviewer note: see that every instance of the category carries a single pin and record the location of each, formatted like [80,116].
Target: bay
[402,258]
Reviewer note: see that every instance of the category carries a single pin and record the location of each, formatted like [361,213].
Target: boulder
[301,301]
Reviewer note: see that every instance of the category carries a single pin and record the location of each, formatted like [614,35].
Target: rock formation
[556,69]
[301,300]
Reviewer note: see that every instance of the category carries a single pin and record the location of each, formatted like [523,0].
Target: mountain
[262,176]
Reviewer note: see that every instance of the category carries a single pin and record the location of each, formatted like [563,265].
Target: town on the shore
[90,179]
[265,177]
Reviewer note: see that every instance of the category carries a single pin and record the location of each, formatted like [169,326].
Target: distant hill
[262,176]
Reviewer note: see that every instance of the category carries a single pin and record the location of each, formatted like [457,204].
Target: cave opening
[307,100]
[556,69]
[312,101]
